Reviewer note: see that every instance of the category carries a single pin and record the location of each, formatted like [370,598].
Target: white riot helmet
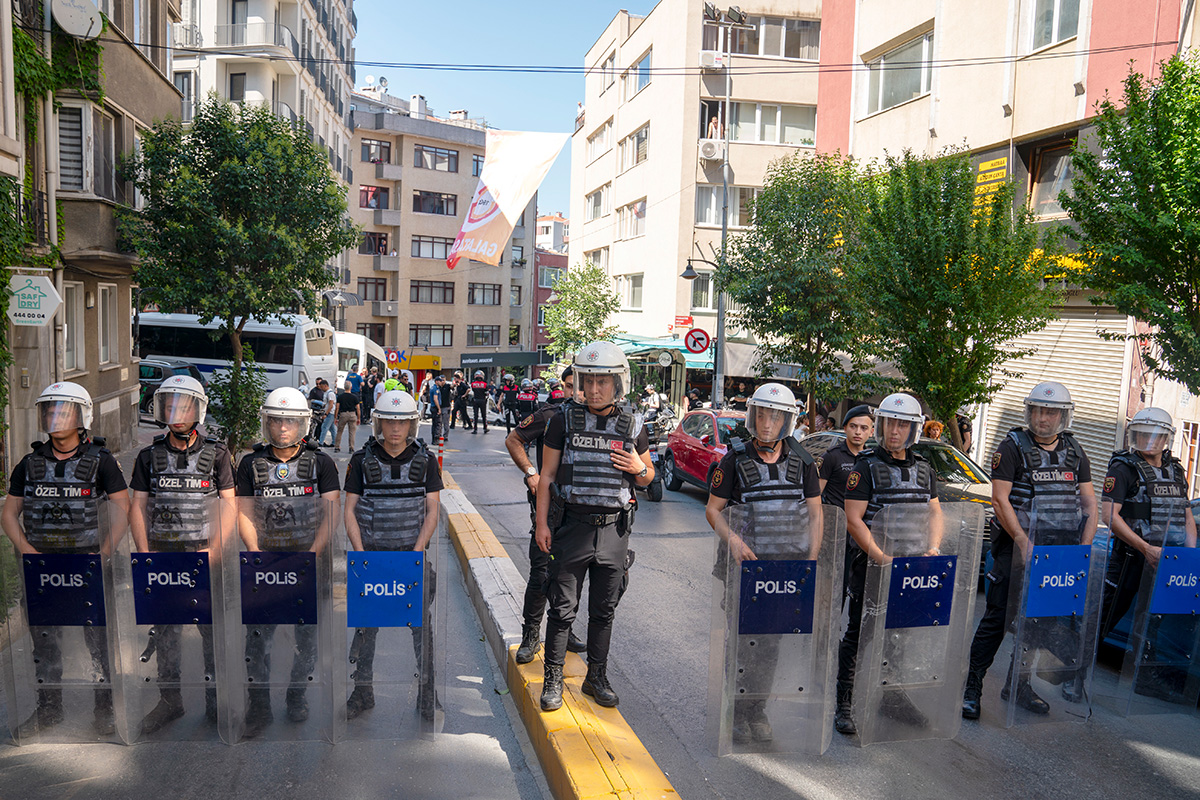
[509,377]
[899,409]
[180,400]
[288,409]
[526,383]
[1150,431]
[64,406]
[771,400]
[603,358]
[395,404]
[478,374]
[1050,394]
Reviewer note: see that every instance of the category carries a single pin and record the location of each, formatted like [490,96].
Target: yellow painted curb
[473,538]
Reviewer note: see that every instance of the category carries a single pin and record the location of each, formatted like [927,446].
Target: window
[634,148]
[1054,21]
[107,312]
[430,335]
[372,289]
[1052,175]
[892,83]
[631,220]
[637,77]
[374,244]
[703,297]
[476,165]
[73,321]
[183,82]
[629,289]
[596,204]
[435,158]
[514,295]
[375,151]
[81,168]
[708,205]
[598,257]
[70,149]
[772,124]
[600,142]
[375,331]
[372,197]
[483,335]
[514,334]
[431,292]
[608,70]
[237,87]
[483,294]
[431,246]
[104,160]
[435,203]
[548,277]
[542,315]
[518,254]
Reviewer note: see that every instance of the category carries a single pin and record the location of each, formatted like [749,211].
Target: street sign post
[696,340]
[34,300]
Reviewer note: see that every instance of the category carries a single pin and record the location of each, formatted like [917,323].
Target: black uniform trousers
[855,582]
[578,550]
[168,644]
[480,412]
[511,417]
[1122,581]
[539,571]
[995,620]
[460,410]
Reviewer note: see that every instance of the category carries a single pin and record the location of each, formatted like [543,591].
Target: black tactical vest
[775,494]
[1158,509]
[391,509]
[287,508]
[182,488]
[587,475]
[892,483]
[1049,482]
[63,510]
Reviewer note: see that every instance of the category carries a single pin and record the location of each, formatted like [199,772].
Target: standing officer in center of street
[506,398]
[479,399]
[594,453]
[287,467]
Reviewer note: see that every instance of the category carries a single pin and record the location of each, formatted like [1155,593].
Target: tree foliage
[241,213]
[1136,205]
[952,283]
[585,301]
[789,276]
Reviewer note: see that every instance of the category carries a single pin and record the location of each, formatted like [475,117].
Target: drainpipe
[50,137]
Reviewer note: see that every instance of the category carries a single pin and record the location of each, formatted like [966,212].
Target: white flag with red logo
[513,169]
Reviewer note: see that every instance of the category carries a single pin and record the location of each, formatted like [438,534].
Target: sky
[478,32]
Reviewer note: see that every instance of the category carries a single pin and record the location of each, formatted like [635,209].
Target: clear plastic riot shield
[167,574]
[277,585]
[775,616]
[1054,610]
[388,672]
[1152,608]
[56,656]
[917,611]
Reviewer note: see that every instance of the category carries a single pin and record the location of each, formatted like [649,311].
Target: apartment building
[553,232]
[413,177]
[296,57]
[646,155]
[548,266]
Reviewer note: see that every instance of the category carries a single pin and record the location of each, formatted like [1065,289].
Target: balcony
[388,172]
[518,273]
[515,313]
[385,308]
[284,112]
[186,35]
[258,35]
[382,263]
[348,174]
[387,216]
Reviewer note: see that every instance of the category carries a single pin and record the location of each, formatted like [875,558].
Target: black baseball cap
[857,411]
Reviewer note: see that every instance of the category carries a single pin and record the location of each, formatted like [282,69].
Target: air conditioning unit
[712,59]
[712,149]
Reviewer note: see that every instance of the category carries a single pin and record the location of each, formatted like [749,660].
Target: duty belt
[595,520]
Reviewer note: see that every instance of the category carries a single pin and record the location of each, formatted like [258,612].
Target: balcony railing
[186,35]
[388,216]
[284,112]
[32,216]
[383,263]
[384,308]
[258,34]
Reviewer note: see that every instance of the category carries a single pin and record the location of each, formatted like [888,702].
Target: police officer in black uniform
[888,474]
[182,474]
[53,506]
[527,398]
[778,478]
[531,430]
[392,491]
[1041,463]
[506,398]
[834,467]
[287,466]
[479,399]
[594,453]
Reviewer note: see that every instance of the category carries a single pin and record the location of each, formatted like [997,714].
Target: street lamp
[718,360]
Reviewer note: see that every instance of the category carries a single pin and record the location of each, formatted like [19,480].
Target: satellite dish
[370,79]
[383,81]
[79,18]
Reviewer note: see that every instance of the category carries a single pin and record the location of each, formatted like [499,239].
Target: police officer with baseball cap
[838,460]
[594,453]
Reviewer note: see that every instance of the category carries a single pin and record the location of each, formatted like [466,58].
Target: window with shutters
[104,160]
[87,151]
[70,149]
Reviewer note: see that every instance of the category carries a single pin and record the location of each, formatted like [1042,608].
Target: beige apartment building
[414,175]
[646,155]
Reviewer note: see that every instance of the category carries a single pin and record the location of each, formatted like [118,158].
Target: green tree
[789,276]
[585,301]
[1136,205]
[241,213]
[952,283]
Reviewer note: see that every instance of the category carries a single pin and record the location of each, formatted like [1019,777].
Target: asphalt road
[659,666]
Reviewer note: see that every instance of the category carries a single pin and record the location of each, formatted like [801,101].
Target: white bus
[292,349]
[355,351]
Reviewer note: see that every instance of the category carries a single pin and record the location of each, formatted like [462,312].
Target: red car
[697,445]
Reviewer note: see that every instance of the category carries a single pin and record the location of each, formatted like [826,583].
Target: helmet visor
[1046,421]
[1147,438]
[171,408]
[601,389]
[282,431]
[770,424]
[896,434]
[393,430]
[57,416]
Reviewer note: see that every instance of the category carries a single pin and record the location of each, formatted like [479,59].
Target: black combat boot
[552,688]
[596,684]
[297,705]
[531,643]
[258,714]
[210,705]
[103,721]
[360,700]
[1027,698]
[49,712]
[575,644]
[169,709]
[971,696]
[842,721]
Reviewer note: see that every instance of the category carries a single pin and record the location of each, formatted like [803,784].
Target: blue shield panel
[1058,581]
[921,591]
[64,589]
[384,589]
[171,588]
[1177,586]
[777,597]
[279,588]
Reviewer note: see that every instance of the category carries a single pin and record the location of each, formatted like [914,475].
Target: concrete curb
[586,751]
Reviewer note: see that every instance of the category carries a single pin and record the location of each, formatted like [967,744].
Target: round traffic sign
[696,340]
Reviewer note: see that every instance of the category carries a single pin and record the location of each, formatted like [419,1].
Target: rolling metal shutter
[70,148]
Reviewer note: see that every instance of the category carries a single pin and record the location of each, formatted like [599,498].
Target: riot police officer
[181,473]
[506,396]
[1041,463]
[283,468]
[594,453]
[778,477]
[527,398]
[890,473]
[1147,508]
[479,399]
[392,490]
[55,495]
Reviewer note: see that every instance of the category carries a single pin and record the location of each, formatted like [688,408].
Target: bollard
[441,450]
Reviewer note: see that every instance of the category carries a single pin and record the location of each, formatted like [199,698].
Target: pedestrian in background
[368,393]
[933,430]
[440,395]
[354,379]
[330,420]
[347,416]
